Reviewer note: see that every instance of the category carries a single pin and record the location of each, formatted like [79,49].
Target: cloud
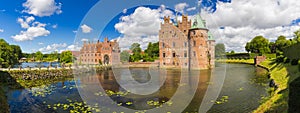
[191,9]
[140,28]
[124,11]
[53,47]
[42,7]
[180,7]
[40,43]
[2,10]
[74,31]
[84,40]
[256,13]
[243,20]
[85,28]
[1,30]
[36,29]
[54,26]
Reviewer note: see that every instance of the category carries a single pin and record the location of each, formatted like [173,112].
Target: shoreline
[277,101]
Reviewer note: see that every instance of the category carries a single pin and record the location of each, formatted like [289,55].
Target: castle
[186,44]
[106,52]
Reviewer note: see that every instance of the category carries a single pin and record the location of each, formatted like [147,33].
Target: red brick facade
[106,52]
[175,41]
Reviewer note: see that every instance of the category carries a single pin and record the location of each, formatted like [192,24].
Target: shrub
[294,62]
[287,60]
[298,67]
[280,59]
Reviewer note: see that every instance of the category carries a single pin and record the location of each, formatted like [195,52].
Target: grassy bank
[242,61]
[283,75]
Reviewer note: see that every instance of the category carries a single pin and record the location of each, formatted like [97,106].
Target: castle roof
[198,22]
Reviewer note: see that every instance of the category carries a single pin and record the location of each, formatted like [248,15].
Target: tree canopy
[66,57]
[9,54]
[258,44]
[220,50]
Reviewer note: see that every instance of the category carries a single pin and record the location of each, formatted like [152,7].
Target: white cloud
[180,7]
[42,7]
[245,19]
[2,10]
[74,31]
[191,9]
[85,28]
[124,10]
[40,43]
[1,30]
[53,47]
[140,28]
[84,40]
[36,29]
[256,13]
[54,26]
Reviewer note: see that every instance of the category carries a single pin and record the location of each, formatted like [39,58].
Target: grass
[282,74]
[242,61]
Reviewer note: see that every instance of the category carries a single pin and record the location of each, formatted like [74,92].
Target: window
[173,44]
[164,54]
[185,64]
[185,54]
[95,60]
[174,54]
[95,54]
[185,44]
[184,31]
[194,43]
[164,63]
[194,53]
[173,63]
[163,45]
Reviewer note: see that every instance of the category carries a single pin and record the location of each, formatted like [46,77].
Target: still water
[243,88]
[37,64]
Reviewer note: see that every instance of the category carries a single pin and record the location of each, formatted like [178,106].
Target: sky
[59,25]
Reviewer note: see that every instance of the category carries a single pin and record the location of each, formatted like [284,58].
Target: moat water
[243,88]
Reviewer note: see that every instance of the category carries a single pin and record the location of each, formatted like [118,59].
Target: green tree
[248,47]
[272,47]
[297,36]
[124,56]
[259,44]
[136,50]
[281,43]
[17,51]
[8,57]
[66,57]
[220,50]
[38,56]
[152,52]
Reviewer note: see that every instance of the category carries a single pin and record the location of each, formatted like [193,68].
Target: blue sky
[64,24]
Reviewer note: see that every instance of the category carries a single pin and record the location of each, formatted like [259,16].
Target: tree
[66,57]
[232,52]
[152,52]
[281,43]
[272,47]
[219,50]
[124,56]
[8,57]
[259,44]
[248,47]
[17,51]
[297,36]
[136,50]
[38,56]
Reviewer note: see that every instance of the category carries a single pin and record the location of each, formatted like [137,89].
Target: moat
[243,88]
